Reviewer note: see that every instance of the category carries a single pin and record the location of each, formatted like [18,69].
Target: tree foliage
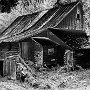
[6,5]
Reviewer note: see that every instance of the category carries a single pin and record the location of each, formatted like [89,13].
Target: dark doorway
[27,51]
[53,55]
[1,68]
[82,58]
[60,55]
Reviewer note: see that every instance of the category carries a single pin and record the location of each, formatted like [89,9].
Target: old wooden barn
[42,37]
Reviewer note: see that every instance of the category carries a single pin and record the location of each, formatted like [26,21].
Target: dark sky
[6,5]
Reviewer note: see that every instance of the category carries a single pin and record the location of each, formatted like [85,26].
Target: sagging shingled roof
[29,25]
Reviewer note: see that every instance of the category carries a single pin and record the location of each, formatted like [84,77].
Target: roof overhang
[51,40]
[67,31]
[44,41]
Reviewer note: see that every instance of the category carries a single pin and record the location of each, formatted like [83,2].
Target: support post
[68,57]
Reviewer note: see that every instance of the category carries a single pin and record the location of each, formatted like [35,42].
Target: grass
[54,79]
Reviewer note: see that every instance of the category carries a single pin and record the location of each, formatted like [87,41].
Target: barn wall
[71,21]
[32,51]
[82,58]
[48,56]
[53,55]
[9,68]
[6,50]
[27,51]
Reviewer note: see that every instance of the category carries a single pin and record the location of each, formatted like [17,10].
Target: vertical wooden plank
[64,23]
[19,48]
[82,20]
[67,23]
[74,18]
[21,45]
[8,67]
[5,68]
[13,70]
[11,67]
[68,20]
[70,25]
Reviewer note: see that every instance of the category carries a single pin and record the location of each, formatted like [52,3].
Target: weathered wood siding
[57,52]
[72,20]
[9,68]
[53,55]
[27,49]
[7,50]
[31,51]
[47,57]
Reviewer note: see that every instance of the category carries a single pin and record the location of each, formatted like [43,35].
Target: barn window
[78,15]
[53,59]
[50,51]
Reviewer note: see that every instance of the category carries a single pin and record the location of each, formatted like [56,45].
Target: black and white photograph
[44,44]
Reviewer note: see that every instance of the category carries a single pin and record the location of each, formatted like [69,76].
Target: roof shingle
[29,25]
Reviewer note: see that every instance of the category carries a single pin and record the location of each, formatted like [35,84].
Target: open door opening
[1,68]
[82,58]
